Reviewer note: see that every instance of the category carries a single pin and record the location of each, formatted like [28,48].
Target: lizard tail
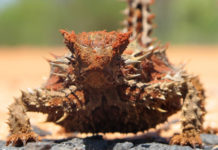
[139,20]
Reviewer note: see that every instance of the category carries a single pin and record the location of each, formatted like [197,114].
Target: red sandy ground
[25,67]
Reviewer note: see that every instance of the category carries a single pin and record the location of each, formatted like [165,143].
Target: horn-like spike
[55,56]
[133,76]
[135,60]
[22,94]
[162,97]
[61,62]
[59,65]
[142,57]
[70,39]
[30,90]
[63,32]
[161,110]
[48,60]
[122,41]
[62,118]
[58,74]
[131,61]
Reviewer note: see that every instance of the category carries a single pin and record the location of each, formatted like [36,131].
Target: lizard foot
[20,139]
[191,138]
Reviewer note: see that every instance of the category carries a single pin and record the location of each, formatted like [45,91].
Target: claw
[186,139]
[21,139]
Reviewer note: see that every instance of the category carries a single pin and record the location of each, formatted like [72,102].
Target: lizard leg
[19,125]
[192,115]
[39,100]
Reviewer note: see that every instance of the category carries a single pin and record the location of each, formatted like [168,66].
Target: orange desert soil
[26,67]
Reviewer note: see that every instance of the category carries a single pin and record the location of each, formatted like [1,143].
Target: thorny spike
[59,65]
[148,107]
[136,53]
[60,62]
[63,32]
[133,76]
[48,60]
[135,60]
[55,56]
[141,57]
[58,74]
[161,110]
[69,58]
[162,97]
[22,94]
[62,118]
[30,90]
[129,61]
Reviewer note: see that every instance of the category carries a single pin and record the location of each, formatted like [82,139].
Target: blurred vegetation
[36,22]
[187,21]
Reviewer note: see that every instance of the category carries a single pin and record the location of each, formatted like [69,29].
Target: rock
[98,143]
[209,147]
[2,143]
[74,144]
[155,146]
[30,146]
[123,146]
[209,139]
[90,143]
[3,147]
[39,146]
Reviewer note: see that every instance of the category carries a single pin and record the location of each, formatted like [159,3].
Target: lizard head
[97,54]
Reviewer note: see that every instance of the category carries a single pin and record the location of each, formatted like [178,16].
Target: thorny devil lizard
[113,82]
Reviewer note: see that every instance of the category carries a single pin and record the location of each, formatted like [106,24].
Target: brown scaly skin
[110,82]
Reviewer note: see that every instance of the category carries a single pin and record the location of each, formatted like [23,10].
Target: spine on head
[139,20]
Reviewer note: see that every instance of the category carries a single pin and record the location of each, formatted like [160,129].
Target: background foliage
[36,22]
